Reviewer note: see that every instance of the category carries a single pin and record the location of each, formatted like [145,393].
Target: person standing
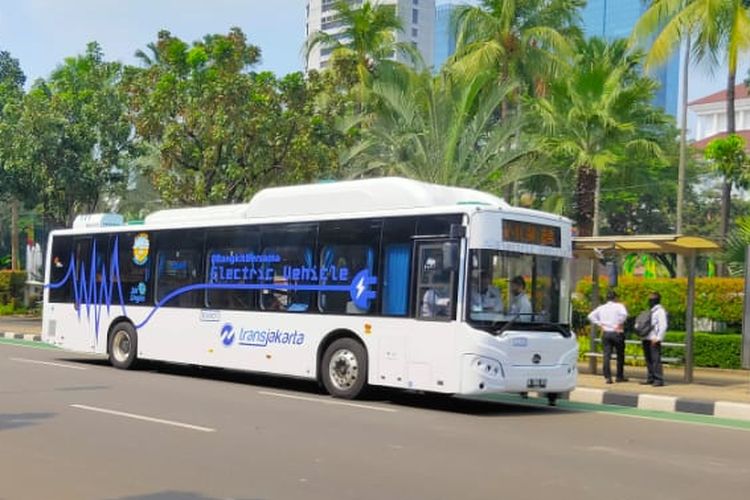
[652,343]
[610,317]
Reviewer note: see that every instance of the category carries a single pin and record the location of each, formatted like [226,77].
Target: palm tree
[718,30]
[441,129]
[594,116]
[367,35]
[526,41]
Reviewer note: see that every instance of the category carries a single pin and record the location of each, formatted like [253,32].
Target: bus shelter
[594,247]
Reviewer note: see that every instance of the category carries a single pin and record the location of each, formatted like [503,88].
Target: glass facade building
[615,19]
[445,37]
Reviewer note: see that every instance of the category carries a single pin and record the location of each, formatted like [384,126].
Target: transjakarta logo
[227,335]
[259,338]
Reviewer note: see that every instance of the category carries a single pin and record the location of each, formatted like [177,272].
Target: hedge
[718,299]
[709,349]
[11,287]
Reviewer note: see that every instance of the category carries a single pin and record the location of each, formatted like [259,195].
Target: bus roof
[391,196]
[334,198]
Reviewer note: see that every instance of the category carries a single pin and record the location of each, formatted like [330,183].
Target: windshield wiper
[507,324]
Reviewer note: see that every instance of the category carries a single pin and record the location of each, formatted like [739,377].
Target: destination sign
[530,233]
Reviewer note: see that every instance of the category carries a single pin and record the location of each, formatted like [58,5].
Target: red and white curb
[656,402]
[31,337]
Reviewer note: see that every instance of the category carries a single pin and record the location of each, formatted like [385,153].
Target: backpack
[643,325]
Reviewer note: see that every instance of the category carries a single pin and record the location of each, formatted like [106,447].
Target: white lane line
[48,363]
[144,418]
[328,402]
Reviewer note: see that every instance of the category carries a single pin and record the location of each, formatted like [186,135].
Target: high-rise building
[445,35]
[611,19]
[417,19]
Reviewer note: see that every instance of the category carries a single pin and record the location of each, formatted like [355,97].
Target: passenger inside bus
[487,298]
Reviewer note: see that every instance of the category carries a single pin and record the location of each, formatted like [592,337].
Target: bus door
[431,342]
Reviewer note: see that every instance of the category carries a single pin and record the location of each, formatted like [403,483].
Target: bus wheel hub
[343,369]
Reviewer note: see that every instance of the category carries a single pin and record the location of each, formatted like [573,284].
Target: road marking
[328,402]
[47,363]
[144,418]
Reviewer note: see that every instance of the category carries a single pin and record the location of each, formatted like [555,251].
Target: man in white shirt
[487,298]
[652,343]
[520,306]
[610,317]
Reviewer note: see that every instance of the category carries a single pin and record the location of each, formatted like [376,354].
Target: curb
[30,337]
[654,402]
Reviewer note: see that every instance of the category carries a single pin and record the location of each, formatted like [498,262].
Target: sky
[41,33]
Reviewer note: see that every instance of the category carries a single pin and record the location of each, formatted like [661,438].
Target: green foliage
[710,350]
[222,132]
[11,287]
[440,129]
[728,157]
[366,39]
[595,116]
[526,42]
[718,299]
[69,139]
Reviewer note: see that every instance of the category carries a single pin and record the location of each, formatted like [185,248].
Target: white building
[711,116]
[417,18]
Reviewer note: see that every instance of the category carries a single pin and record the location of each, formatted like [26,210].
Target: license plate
[534,383]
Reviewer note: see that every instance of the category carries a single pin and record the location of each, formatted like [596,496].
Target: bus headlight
[487,367]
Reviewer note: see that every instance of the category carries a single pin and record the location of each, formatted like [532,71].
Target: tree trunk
[15,245]
[726,202]
[730,101]
[585,200]
[597,200]
[683,152]
[726,190]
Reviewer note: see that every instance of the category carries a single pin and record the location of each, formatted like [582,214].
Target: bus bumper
[483,375]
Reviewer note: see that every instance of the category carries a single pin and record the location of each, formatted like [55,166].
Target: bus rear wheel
[123,346]
[344,368]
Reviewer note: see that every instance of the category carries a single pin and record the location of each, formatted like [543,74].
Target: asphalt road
[73,427]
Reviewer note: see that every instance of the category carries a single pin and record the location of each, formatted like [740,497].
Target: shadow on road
[174,495]
[16,420]
[411,399]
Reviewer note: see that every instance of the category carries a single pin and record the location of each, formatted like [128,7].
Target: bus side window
[62,253]
[229,262]
[179,264]
[135,266]
[290,251]
[396,258]
[346,248]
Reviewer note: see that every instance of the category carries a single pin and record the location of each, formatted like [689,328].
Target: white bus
[383,282]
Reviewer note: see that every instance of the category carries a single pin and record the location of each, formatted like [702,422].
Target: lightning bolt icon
[361,287]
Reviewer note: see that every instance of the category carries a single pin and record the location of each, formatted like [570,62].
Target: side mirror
[450,256]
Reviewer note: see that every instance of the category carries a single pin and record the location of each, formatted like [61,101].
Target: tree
[221,131]
[525,41]
[12,185]
[70,138]
[367,36]
[594,116]
[718,30]
[727,156]
[439,129]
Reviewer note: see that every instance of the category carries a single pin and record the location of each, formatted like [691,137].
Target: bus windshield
[505,286]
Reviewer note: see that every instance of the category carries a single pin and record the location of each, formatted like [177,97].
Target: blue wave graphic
[87,295]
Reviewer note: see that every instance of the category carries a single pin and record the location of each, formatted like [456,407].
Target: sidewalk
[21,324]
[720,393]
[709,384]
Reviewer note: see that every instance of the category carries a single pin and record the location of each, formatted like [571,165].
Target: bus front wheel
[344,368]
[123,346]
